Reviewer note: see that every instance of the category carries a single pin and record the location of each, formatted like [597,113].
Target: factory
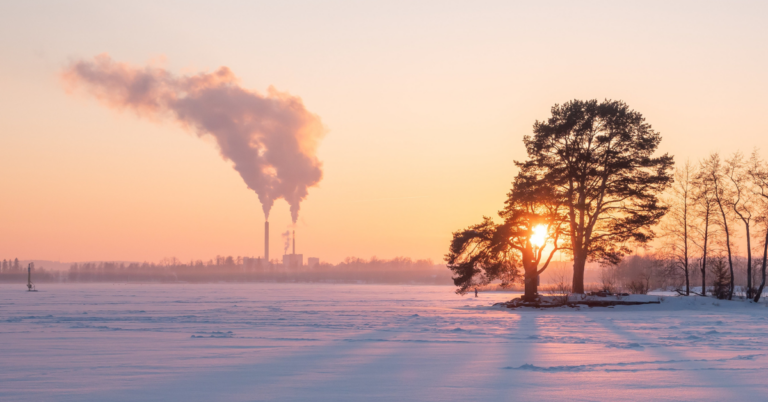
[292,260]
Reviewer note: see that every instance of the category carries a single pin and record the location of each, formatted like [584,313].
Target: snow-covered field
[326,342]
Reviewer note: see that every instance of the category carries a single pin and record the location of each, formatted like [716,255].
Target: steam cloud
[271,139]
[287,237]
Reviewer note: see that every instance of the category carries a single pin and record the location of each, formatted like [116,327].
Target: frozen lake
[245,342]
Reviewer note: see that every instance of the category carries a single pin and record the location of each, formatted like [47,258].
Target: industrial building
[292,260]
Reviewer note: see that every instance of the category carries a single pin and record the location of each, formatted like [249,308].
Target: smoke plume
[271,139]
[287,237]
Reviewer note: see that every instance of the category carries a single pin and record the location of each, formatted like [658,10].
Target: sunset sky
[425,106]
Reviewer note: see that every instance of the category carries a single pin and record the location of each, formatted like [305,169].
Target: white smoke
[271,139]
[287,238]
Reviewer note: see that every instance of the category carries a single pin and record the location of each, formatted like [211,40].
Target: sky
[425,105]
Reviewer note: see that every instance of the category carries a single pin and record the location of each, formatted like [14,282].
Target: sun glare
[539,236]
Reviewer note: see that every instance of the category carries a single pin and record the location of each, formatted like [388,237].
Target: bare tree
[634,274]
[560,284]
[712,173]
[704,206]
[758,172]
[743,205]
[677,223]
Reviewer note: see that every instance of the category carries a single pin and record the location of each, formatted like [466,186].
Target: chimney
[294,242]
[266,242]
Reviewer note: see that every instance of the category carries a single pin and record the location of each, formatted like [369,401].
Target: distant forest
[237,269]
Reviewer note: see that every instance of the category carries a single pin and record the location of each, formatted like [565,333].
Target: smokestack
[266,241]
[294,242]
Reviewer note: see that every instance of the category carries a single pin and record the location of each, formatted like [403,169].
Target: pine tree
[600,157]
[722,283]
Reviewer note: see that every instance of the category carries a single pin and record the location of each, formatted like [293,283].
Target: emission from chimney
[266,242]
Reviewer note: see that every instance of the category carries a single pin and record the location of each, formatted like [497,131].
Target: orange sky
[426,105]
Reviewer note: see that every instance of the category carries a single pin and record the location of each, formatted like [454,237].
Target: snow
[615,298]
[311,342]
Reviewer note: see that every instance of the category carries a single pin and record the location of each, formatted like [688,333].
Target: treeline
[712,205]
[652,272]
[715,208]
[9,266]
[14,271]
[594,187]
[243,269]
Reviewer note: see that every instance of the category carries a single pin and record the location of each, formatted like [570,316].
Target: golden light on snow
[539,236]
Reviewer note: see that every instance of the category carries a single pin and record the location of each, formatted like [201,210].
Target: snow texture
[308,342]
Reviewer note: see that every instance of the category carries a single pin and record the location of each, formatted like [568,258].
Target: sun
[539,236]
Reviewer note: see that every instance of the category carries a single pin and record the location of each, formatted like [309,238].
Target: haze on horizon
[426,105]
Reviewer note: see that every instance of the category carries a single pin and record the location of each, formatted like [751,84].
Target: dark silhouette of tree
[533,219]
[677,224]
[704,212]
[758,172]
[712,172]
[743,205]
[599,157]
[479,255]
[721,288]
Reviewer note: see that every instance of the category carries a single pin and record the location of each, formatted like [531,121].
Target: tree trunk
[579,263]
[685,244]
[762,283]
[704,259]
[531,277]
[531,285]
[749,264]
[731,286]
[730,258]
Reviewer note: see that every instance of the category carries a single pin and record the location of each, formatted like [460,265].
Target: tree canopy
[599,158]
[488,251]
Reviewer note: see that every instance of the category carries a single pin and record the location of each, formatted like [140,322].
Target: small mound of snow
[692,337]
[746,357]
[632,345]
[553,369]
